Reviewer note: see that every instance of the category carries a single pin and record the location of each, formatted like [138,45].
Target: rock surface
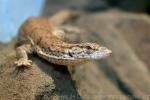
[142,6]
[111,29]
[123,76]
[43,81]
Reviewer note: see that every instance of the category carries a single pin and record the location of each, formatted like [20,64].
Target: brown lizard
[44,38]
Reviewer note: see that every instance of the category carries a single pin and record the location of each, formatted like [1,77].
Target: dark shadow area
[139,6]
[96,5]
[65,87]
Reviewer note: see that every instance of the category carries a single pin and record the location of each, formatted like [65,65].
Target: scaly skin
[42,37]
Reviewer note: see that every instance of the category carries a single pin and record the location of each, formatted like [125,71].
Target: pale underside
[71,59]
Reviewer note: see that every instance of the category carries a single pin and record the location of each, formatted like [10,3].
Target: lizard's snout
[105,50]
[101,53]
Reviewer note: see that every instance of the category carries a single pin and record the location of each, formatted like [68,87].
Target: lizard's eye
[76,50]
[88,47]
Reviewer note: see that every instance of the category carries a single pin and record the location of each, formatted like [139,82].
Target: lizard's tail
[63,16]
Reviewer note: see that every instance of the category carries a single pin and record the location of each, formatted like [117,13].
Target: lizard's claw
[22,62]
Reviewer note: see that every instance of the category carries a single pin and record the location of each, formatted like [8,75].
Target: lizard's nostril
[108,51]
[88,51]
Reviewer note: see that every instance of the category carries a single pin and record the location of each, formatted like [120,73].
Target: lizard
[45,38]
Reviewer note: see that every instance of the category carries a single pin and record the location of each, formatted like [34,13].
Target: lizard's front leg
[21,54]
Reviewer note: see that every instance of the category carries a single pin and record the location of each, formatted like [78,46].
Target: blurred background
[13,13]
[121,25]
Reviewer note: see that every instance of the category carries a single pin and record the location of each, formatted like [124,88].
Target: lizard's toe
[21,63]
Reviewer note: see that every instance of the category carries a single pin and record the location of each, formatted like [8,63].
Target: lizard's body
[42,37]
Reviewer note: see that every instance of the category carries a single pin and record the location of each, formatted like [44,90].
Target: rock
[131,5]
[96,5]
[43,81]
[93,84]
[53,6]
[136,32]
[123,68]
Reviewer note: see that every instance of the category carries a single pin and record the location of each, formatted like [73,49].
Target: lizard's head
[76,53]
[89,51]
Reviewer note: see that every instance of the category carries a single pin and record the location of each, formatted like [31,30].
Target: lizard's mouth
[76,57]
[100,53]
[88,54]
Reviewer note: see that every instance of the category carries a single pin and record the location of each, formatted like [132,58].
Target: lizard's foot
[23,63]
[70,69]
